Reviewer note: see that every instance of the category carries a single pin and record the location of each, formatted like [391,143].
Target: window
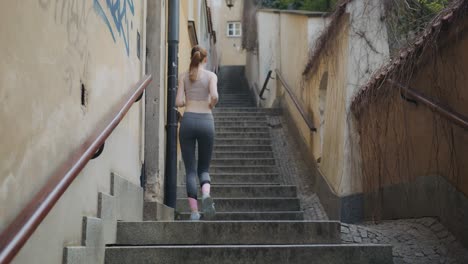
[234,29]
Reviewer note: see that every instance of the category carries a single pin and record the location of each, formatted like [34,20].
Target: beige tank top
[198,90]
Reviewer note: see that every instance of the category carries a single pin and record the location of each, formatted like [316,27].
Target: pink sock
[193,204]
[206,188]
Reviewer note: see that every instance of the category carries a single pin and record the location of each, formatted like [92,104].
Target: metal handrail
[23,226]
[454,117]
[265,85]
[306,118]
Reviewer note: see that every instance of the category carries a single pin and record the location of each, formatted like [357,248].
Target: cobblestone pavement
[422,240]
[293,169]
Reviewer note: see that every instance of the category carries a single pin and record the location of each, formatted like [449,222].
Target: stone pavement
[422,240]
[293,169]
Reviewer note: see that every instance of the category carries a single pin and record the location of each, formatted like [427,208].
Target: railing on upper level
[306,118]
[23,226]
[454,117]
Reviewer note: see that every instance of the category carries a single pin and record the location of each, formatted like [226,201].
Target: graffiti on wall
[120,19]
[73,14]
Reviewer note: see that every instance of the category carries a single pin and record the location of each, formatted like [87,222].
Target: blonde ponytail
[198,55]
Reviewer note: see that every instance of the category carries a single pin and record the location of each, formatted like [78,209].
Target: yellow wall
[184,43]
[229,49]
[294,55]
[49,50]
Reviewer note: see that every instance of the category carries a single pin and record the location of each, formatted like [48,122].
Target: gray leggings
[196,127]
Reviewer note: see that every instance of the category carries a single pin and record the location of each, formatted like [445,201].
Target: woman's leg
[205,150]
[187,145]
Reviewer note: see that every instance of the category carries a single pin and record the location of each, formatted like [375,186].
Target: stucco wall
[269,50]
[50,49]
[352,52]
[184,41]
[229,49]
[155,100]
[411,140]
[332,67]
[368,51]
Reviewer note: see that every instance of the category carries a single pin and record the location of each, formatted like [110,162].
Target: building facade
[65,66]
[228,25]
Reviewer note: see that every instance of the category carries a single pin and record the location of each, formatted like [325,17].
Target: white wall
[269,50]
[368,51]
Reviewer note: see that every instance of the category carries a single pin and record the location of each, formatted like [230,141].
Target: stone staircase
[258,220]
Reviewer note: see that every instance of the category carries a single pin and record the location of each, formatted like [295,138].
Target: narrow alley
[246,186]
[234,131]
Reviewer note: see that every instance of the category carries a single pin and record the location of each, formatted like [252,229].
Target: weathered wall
[412,141]
[184,41]
[368,51]
[412,155]
[355,45]
[50,49]
[269,54]
[229,49]
[269,50]
[325,95]
[155,102]
[346,62]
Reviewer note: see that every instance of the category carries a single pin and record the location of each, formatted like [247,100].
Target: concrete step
[245,110]
[239,114]
[250,216]
[243,161]
[239,110]
[227,232]
[243,169]
[252,254]
[245,148]
[252,129]
[245,178]
[240,154]
[241,124]
[247,204]
[246,104]
[227,135]
[237,191]
[240,119]
[240,95]
[242,141]
[245,93]
[235,99]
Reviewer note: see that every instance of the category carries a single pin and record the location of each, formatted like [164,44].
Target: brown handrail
[457,118]
[20,230]
[306,118]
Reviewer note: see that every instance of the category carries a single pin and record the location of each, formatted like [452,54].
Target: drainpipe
[170,181]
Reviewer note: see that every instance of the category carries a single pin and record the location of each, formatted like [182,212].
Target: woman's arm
[213,91]
[180,98]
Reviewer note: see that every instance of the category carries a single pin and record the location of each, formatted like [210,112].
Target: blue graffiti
[118,11]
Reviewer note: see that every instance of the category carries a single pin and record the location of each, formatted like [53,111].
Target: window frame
[236,27]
